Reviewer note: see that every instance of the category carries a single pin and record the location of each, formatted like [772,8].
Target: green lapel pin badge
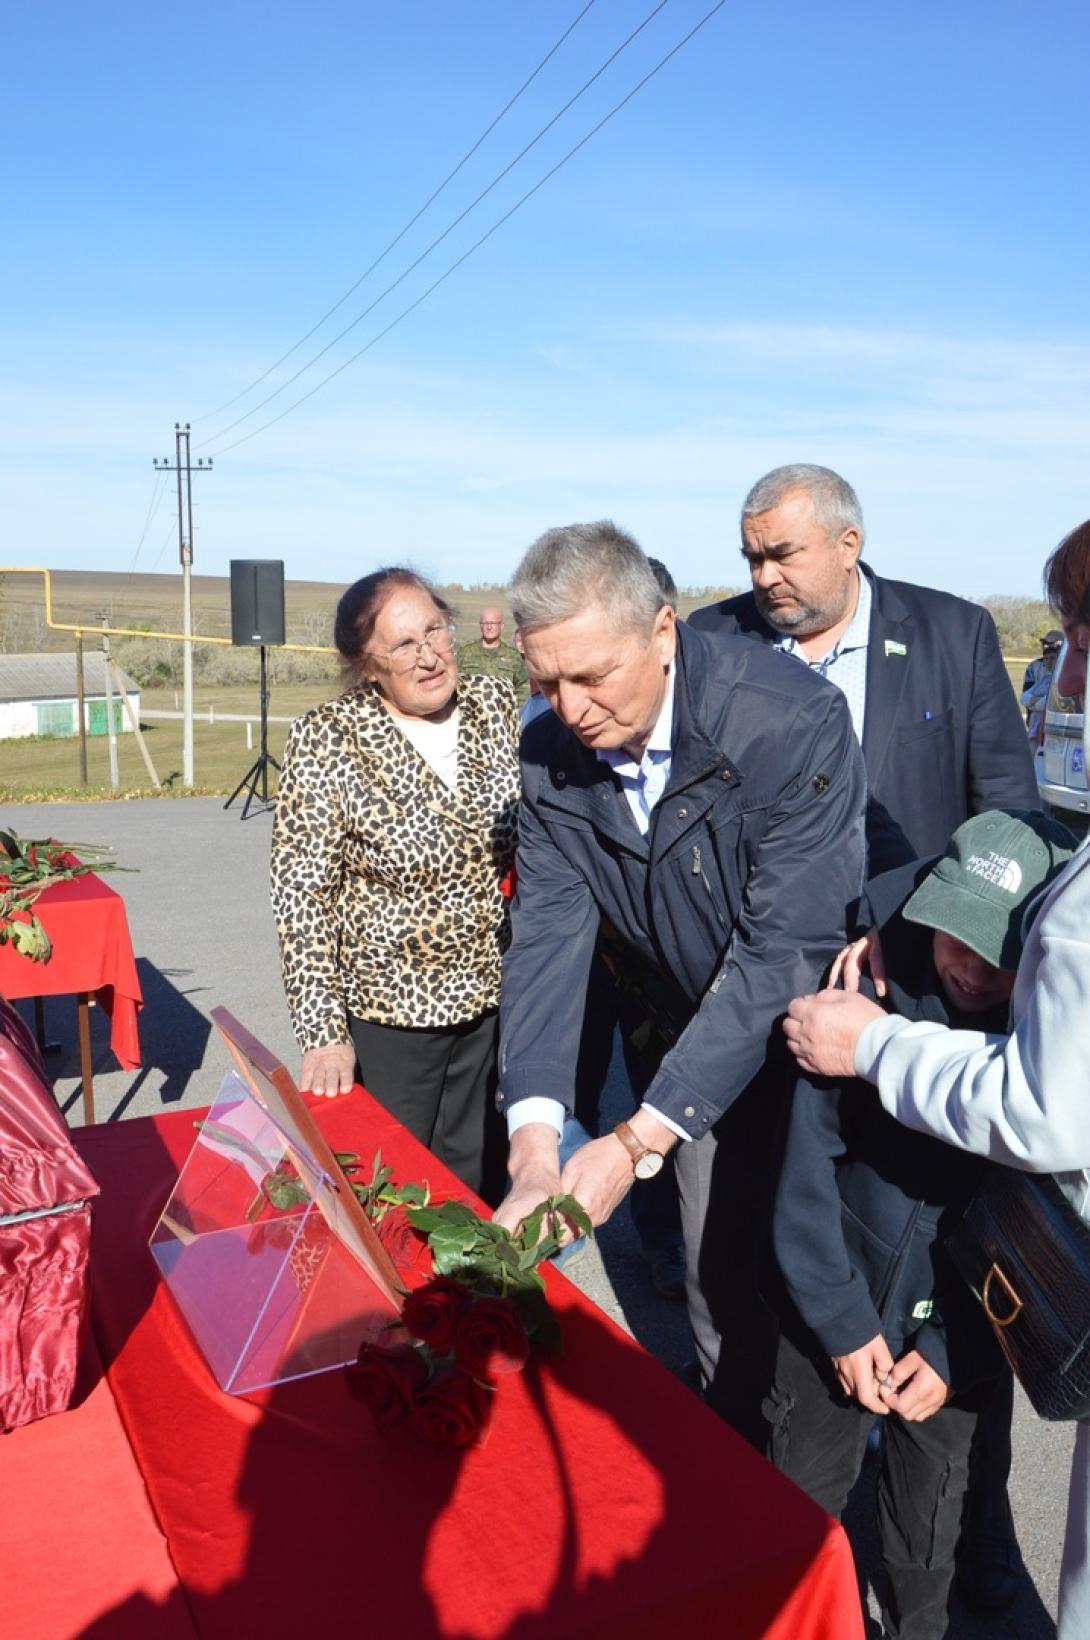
[892,647]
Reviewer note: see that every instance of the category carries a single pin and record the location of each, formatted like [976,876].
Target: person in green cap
[874,1320]
[491,655]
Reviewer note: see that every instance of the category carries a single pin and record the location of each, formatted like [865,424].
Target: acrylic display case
[271,1292]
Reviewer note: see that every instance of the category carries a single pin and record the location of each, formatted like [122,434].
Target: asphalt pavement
[202,930]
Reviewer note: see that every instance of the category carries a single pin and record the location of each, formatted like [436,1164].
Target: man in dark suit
[942,739]
[931,702]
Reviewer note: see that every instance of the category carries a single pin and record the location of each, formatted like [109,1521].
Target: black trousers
[819,1439]
[439,1083]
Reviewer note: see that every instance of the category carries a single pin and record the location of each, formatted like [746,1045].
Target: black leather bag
[1026,1254]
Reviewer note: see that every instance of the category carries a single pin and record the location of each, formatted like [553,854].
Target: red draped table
[607,1501]
[92,957]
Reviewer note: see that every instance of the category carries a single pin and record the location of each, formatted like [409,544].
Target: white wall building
[38,696]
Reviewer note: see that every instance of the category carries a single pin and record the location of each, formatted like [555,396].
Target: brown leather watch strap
[635,1147]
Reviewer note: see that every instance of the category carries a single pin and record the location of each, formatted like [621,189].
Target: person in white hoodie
[1023,1099]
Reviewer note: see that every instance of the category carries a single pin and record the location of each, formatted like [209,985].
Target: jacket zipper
[698,871]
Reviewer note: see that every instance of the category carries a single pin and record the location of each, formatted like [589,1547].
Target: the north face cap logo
[996,868]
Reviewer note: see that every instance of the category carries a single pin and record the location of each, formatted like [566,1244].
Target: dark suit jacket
[738,896]
[943,736]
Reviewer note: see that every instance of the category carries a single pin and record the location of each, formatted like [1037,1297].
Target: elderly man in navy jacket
[708,800]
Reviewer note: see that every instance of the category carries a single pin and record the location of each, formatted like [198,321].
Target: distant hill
[151,602]
[154,602]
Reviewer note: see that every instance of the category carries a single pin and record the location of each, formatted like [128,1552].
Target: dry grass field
[43,769]
[154,602]
[37,770]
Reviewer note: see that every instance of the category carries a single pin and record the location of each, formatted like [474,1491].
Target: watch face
[648,1165]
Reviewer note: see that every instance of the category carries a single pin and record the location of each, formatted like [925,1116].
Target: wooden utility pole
[182,465]
[134,723]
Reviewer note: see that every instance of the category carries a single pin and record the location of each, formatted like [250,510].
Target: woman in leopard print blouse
[395,827]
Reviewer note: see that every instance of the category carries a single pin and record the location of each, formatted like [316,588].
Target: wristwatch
[646,1163]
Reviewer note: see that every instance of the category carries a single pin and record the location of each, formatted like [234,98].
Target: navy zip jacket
[739,896]
[863,1204]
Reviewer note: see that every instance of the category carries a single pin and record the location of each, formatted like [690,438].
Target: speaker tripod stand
[257,775]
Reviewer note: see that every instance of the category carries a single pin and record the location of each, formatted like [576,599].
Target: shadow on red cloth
[606,1501]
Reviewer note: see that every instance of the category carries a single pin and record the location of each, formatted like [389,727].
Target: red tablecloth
[607,1501]
[92,951]
[78,1542]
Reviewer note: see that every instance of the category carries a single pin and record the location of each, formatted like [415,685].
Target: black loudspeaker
[257,601]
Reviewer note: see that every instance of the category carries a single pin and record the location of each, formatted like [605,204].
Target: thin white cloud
[970,454]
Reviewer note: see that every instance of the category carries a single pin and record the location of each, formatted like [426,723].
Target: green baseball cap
[995,865]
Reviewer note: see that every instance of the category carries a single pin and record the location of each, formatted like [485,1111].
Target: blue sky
[852,234]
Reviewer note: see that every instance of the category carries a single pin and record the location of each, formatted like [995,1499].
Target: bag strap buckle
[996,1274]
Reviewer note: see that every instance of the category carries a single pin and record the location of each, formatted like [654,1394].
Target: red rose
[385,1378]
[430,1313]
[489,1338]
[453,1410]
[401,1241]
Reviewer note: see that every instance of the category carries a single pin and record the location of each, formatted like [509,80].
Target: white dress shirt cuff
[535,1110]
[666,1122]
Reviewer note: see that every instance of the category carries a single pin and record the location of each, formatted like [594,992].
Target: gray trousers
[725,1182]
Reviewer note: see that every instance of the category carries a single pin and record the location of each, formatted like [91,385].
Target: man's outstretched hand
[534,1166]
[822,1031]
[599,1175]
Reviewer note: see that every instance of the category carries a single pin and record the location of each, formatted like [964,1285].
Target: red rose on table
[385,1378]
[489,1338]
[452,1410]
[396,1233]
[432,1311]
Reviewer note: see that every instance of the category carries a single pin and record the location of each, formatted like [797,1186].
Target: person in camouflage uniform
[490,654]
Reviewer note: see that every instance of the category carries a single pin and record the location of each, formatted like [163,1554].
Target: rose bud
[431,1311]
[385,1378]
[452,1410]
[490,1338]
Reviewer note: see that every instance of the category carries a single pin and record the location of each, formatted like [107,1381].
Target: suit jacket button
[821,783]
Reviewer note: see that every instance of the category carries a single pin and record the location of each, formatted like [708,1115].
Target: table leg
[83,1005]
[39,1029]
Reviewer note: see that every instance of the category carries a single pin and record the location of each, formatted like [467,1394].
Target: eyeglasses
[408,653]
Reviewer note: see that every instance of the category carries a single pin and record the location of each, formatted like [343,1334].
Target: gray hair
[579,564]
[836,505]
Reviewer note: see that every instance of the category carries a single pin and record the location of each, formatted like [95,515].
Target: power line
[449,229]
[170,532]
[158,488]
[507,215]
[413,220]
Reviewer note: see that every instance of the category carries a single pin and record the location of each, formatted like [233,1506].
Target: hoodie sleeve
[830,1294]
[1019,1099]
